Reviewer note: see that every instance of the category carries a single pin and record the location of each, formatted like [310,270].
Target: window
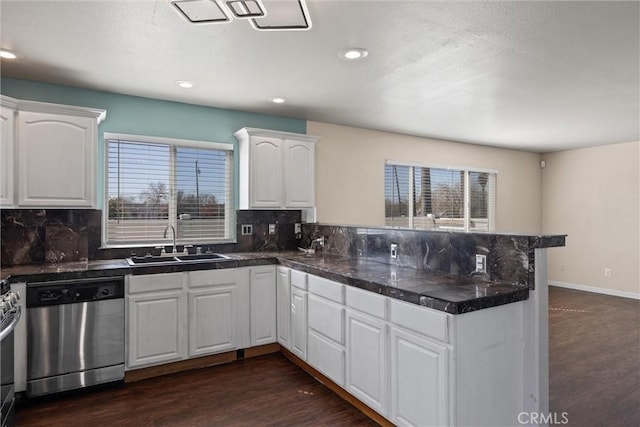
[152,183]
[426,197]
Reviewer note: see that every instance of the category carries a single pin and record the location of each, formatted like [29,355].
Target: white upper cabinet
[266,173]
[276,169]
[299,179]
[55,147]
[7,124]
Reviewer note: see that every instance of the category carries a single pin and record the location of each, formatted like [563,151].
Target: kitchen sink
[138,260]
[174,259]
[202,257]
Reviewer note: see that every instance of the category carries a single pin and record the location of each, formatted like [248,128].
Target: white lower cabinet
[413,365]
[262,288]
[299,322]
[214,304]
[419,380]
[326,356]
[367,360]
[283,306]
[175,316]
[156,308]
[326,337]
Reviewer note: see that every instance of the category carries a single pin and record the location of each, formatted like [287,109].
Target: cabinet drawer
[212,277]
[299,279]
[367,302]
[419,319]
[326,318]
[156,282]
[327,357]
[326,288]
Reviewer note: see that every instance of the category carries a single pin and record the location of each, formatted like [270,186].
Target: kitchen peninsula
[419,339]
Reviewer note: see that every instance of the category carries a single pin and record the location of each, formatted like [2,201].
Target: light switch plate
[481,263]
[246,229]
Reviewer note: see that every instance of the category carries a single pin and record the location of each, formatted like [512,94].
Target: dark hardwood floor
[264,391]
[594,378]
[594,358]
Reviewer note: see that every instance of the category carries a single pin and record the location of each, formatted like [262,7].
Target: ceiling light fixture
[202,11]
[264,15]
[278,100]
[353,53]
[245,9]
[7,54]
[185,84]
[283,15]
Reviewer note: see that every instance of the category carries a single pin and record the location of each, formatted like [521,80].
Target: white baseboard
[585,288]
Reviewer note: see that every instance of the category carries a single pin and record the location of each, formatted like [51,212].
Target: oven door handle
[6,331]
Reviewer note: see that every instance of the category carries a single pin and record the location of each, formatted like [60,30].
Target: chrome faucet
[318,243]
[173,230]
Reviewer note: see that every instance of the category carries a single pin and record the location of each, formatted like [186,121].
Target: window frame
[171,142]
[491,209]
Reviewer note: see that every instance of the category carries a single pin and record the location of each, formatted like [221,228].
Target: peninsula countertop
[447,293]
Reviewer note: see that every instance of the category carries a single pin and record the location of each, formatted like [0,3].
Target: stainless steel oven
[9,316]
[75,334]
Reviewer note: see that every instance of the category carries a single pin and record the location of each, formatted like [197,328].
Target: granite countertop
[450,294]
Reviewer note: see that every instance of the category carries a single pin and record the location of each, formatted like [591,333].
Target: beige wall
[350,174]
[593,195]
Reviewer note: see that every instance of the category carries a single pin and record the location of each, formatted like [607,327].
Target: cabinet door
[419,394]
[283,306]
[366,360]
[156,328]
[56,160]
[266,173]
[7,119]
[212,326]
[299,173]
[326,356]
[326,317]
[263,305]
[299,322]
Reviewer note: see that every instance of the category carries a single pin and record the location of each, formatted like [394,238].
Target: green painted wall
[151,117]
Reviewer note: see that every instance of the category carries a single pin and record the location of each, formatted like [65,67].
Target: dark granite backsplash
[509,257]
[35,236]
[41,236]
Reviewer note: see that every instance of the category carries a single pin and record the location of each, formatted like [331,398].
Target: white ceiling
[537,76]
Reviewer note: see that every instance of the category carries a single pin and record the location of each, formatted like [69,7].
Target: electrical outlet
[246,229]
[394,251]
[607,272]
[272,229]
[481,263]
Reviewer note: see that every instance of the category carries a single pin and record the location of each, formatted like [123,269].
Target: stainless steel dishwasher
[75,334]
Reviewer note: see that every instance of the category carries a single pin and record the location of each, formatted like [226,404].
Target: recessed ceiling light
[278,100]
[185,84]
[7,54]
[353,53]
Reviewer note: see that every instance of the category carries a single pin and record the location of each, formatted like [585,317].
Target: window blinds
[424,197]
[153,185]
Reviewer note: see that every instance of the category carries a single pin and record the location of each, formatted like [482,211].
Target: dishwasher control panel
[74,291]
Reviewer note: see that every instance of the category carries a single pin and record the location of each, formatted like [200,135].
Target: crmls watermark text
[542,418]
